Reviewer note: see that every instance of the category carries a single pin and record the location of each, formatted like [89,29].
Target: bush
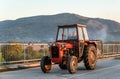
[44,52]
[12,52]
[32,54]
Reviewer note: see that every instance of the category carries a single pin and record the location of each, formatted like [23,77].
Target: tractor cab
[73,37]
[73,32]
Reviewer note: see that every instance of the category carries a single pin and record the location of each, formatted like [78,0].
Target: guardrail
[29,52]
[111,49]
[22,52]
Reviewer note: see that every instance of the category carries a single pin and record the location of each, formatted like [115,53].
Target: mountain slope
[43,28]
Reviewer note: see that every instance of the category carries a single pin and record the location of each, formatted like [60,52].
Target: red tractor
[71,47]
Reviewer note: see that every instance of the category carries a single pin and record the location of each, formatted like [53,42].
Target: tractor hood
[63,45]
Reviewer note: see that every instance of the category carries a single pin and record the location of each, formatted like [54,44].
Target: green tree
[12,52]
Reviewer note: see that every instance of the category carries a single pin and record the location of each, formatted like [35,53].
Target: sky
[13,9]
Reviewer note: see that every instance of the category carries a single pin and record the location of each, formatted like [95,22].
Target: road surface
[108,68]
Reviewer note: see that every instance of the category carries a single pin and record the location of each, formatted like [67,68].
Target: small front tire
[46,64]
[72,64]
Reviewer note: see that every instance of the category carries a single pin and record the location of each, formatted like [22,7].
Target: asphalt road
[108,68]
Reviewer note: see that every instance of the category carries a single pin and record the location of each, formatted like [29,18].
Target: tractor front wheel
[46,64]
[72,64]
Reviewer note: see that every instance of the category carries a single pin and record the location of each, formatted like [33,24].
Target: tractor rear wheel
[72,64]
[90,57]
[46,64]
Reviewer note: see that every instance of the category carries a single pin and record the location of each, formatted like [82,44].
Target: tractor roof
[73,25]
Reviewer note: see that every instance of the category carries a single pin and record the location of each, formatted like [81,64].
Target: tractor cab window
[80,34]
[67,33]
[85,34]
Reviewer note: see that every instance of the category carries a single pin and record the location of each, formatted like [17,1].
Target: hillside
[43,28]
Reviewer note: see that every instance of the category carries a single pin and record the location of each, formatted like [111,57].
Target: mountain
[43,28]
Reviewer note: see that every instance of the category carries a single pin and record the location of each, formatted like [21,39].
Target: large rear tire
[46,64]
[90,57]
[72,64]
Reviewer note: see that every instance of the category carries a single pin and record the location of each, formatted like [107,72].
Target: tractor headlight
[63,45]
